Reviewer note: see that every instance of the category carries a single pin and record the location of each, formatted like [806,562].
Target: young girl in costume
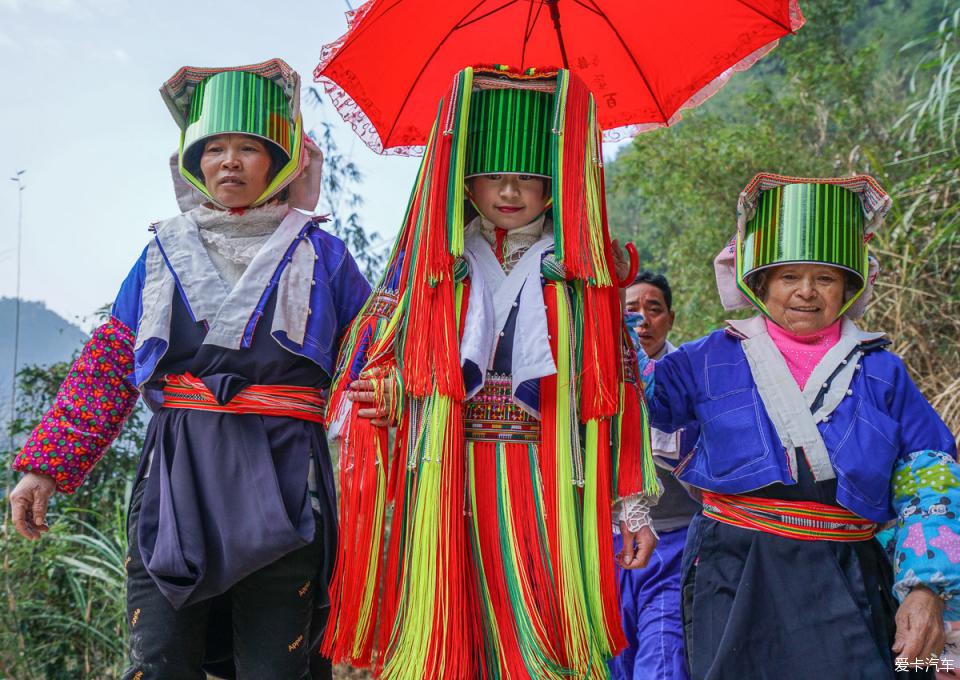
[494,343]
[228,325]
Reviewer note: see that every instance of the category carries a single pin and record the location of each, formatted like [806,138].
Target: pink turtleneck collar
[803,352]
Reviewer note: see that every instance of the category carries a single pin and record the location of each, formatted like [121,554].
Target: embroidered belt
[803,520]
[304,403]
[492,415]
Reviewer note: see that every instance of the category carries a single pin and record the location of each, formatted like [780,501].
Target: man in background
[650,597]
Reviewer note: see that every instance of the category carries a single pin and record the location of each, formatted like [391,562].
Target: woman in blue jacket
[813,436]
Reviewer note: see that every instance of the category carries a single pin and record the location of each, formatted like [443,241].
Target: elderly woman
[812,436]
[228,325]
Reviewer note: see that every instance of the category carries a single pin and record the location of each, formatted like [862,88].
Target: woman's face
[236,169]
[804,298]
[509,200]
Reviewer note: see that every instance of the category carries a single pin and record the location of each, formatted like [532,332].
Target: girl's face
[236,169]
[509,200]
[804,298]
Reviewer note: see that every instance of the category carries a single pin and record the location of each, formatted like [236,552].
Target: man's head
[650,295]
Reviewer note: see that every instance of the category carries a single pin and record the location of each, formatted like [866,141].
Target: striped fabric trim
[189,392]
[503,432]
[509,132]
[802,520]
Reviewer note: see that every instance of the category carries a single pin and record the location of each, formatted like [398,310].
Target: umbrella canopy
[644,61]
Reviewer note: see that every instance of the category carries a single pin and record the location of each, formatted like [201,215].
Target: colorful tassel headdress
[261,100]
[784,219]
[426,260]
[411,329]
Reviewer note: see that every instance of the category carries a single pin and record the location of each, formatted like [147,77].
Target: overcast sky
[81,113]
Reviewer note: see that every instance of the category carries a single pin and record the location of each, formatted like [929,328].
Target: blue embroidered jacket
[881,421]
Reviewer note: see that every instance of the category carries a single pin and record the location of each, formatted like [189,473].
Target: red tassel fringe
[609,587]
[361,455]
[630,459]
[602,361]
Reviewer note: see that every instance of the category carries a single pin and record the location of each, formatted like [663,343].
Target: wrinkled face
[804,298]
[236,169]
[509,200]
[657,319]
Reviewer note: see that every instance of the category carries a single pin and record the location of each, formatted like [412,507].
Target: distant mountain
[45,338]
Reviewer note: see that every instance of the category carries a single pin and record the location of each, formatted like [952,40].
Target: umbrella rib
[633,60]
[485,15]
[590,8]
[530,24]
[765,16]
[527,32]
[426,63]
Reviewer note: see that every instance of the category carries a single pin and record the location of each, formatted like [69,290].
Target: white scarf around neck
[233,239]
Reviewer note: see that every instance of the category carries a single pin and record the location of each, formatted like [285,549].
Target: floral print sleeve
[90,409]
[926,496]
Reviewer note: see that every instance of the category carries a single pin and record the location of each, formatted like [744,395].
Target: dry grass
[918,294]
[917,299]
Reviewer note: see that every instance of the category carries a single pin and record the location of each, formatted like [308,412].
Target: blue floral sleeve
[926,542]
[645,365]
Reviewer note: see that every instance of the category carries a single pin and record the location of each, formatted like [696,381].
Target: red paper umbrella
[644,60]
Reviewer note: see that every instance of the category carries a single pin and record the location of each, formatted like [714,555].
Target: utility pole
[18,178]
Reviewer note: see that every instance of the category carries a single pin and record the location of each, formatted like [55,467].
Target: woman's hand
[364,391]
[621,263]
[919,625]
[625,267]
[28,501]
[637,546]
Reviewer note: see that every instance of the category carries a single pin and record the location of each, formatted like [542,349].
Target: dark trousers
[263,622]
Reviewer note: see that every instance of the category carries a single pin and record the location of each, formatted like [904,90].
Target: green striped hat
[509,132]
[261,100]
[805,220]
[236,102]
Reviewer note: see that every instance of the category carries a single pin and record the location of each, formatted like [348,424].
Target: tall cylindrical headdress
[784,219]
[261,100]
[509,132]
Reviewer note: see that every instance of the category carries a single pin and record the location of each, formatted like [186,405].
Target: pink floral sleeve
[91,407]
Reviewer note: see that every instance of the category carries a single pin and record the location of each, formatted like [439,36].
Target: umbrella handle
[634,265]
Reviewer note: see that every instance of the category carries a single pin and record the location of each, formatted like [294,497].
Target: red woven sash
[804,520]
[188,391]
